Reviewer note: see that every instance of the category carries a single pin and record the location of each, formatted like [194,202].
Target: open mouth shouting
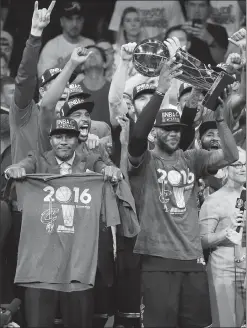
[214,146]
[84,130]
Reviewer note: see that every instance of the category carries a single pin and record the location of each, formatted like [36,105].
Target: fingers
[52,5]
[129,47]
[43,14]
[36,6]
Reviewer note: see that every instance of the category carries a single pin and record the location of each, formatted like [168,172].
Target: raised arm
[228,153]
[26,75]
[145,122]
[55,91]
[117,105]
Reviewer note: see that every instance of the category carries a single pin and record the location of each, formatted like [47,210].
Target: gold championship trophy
[150,54]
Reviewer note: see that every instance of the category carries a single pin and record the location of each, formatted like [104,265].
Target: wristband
[161,94]
[220,120]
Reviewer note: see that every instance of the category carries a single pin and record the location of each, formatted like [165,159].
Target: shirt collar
[70,161]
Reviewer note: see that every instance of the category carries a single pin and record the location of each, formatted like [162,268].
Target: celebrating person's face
[197,9]
[109,51]
[72,26]
[141,101]
[95,59]
[132,24]
[168,138]
[64,145]
[82,117]
[237,171]
[7,94]
[211,140]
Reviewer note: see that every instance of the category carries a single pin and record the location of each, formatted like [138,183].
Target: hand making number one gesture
[41,18]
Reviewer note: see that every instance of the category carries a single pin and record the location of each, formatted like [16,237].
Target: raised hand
[41,18]
[172,44]
[234,60]
[168,72]
[92,141]
[127,51]
[123,121]
[79,56]
[219,112]
[239,38]
[15,172]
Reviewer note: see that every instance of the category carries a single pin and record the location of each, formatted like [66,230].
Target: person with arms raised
[164,185]
[57,51]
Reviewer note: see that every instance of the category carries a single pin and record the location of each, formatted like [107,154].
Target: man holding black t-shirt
[173,277]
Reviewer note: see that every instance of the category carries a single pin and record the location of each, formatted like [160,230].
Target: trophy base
[211,99]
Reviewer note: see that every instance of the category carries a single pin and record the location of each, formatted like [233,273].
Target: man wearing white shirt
[58,50]
[156,16]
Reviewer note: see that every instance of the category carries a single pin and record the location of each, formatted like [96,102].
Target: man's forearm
[26,76]
[124,161]
[144,125]
[116,91]
[238,100]
[213,239]
[55,91]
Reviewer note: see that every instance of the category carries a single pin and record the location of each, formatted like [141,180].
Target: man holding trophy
[174,287]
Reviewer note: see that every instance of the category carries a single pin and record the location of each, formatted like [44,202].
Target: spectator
[210,140]
[130,30]
[58,50]
[62,159]
[6,44]
[227,13]
[109,51]
[209,42]
[5,217]
[96,84]
[218,220]
[7,91]
[4,65]
[156,16]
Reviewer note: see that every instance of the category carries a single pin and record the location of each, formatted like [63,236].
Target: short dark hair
[6,80]
[176,28]
[103,55]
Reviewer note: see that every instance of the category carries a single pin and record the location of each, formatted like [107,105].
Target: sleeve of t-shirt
[48,57]
[197,161]
[109,207]
[19,118]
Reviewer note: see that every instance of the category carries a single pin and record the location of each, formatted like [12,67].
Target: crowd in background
[179,166]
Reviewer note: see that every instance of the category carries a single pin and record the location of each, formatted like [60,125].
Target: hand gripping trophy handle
[150,54]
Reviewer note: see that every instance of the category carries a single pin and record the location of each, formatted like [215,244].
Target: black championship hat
[168,117]
[71,8]
[205,126]
[183,89]
[64,125]
[74,104]
[76,91]
[49,75]
[143,88]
